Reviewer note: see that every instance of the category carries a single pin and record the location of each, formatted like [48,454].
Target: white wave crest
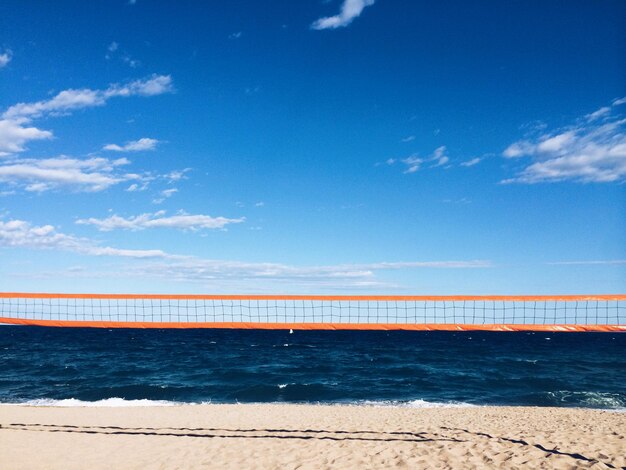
[108,402]
[593,399]
[415,404]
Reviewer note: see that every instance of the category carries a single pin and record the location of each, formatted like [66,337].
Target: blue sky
[346,146]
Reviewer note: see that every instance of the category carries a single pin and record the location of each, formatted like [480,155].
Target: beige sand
[309,436]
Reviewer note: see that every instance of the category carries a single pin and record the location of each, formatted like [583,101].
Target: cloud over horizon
[23,234]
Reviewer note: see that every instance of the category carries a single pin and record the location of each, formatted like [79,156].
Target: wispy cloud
[5,58]
[142,144]
[236,35]
[132,63]
[409,138]
[15,123]
[182,221]
[234,274]
[461,201]
[172,267]
[439,156]
[592,150]
[602,112]
[113,50]
[176,268]
[177,175]
[22,234]
[165,194]
[350,9]
[38,175]
[415,162]
[71,100]
[472,162]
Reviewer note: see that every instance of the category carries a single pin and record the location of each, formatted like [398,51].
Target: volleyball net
[496,313]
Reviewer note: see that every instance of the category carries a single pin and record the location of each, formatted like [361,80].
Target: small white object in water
[290,331]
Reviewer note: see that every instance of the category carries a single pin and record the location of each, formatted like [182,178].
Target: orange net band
[318,326]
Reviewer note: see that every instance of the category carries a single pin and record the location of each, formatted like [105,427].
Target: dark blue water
[543,369]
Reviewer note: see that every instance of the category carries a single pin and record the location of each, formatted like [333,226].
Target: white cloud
[414,162]
[142,144]
[158,219]
[166,193]
[350,9]
[410,138]
[14,133]
[70,100]
[22,234]
[155,85]
[554,144]
[15,123]
[439,156]
[518,149]
[588,152]
[472,162]
[5,58]
[177,175]
[113,47]
[604,111]
[142,186]
[66,100]
[93,174]
[236,35]
[619,101]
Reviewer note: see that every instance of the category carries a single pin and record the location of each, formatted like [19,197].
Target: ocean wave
[414,403]
[108,402]
[121,402]
[588,399]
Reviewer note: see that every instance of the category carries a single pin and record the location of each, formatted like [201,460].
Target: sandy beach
[309,436]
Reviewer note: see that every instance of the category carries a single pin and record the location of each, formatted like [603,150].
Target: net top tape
[391,298]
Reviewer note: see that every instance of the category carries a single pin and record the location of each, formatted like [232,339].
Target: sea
[132,367]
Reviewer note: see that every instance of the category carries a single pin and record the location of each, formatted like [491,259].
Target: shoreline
[116,402]
[309,436]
